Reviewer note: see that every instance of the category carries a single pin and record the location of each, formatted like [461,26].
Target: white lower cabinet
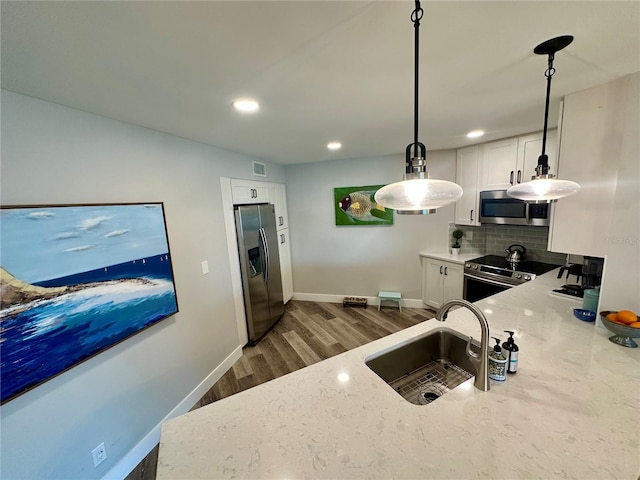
[284,249]
[441,281]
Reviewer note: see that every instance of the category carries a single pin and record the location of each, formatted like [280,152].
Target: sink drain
[425,398]
[429,382]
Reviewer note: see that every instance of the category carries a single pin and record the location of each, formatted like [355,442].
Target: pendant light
[544,187]
[417,194]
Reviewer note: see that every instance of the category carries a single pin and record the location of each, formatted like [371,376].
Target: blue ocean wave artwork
[48,326]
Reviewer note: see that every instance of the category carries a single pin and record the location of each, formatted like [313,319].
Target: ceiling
[321,70]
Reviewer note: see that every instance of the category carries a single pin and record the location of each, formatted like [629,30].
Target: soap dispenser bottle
[511,352]
[497,363]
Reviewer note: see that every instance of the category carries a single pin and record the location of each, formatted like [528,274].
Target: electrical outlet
[205,267]
[99,454]
[469,235]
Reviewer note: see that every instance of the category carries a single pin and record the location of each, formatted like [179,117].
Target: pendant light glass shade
[543,190]
[417,194]
[544,187]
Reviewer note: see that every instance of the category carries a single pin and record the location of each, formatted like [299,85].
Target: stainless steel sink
[426,368]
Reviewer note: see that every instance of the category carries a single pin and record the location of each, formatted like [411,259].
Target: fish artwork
[359,205]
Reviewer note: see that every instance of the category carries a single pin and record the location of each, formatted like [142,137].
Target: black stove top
[494,268]
[528,266]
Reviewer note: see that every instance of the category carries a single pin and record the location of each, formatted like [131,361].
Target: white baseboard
[142,449]
[373,301]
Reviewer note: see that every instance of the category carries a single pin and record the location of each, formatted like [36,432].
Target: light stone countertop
[571,411]
[448,257]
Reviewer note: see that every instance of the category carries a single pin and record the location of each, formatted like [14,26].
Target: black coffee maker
[588,275]
[571,269]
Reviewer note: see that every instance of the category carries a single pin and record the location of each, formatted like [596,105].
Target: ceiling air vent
[259,169]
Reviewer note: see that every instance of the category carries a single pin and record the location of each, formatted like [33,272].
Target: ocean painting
[74,281]
[356,206]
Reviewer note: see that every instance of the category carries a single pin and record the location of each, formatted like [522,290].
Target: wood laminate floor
[308,333]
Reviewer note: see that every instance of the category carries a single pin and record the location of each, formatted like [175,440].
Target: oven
[476,288]
[491,274]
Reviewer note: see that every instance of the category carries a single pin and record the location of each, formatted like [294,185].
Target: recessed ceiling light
[246,105]
[475,134]
[334,145]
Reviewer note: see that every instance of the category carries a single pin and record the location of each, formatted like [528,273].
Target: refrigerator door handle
[265,247]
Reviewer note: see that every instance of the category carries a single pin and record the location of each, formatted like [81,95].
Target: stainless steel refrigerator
[260,268]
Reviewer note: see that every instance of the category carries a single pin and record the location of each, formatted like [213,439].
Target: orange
[635,325]
[612,317]
[627,317]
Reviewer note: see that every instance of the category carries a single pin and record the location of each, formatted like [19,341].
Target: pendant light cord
[416,16]
[549,73]
[417,194]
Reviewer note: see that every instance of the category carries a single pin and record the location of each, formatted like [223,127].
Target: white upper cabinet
[499,162]
[529,149]
[513,160]
[249,191]
[467,175]
[252,191]
[278,197]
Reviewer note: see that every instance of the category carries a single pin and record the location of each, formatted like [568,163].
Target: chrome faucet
[478,361]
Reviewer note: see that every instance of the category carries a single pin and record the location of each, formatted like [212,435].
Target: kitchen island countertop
[571,411]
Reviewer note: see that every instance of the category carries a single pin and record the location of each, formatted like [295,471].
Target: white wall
[345,260]
[621,280]
[56,155]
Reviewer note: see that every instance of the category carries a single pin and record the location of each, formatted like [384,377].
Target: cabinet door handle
[519,176]
[282,239]
[440,269]
[511,178]
[471,216]
[281,220]
[445,270]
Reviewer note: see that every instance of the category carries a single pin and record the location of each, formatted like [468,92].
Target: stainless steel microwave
[498,207]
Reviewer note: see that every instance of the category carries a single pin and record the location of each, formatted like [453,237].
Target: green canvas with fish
[357,206]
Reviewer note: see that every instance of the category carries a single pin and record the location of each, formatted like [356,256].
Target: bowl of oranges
[625,324]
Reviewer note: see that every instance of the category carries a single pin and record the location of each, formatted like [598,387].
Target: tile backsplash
[491,239]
